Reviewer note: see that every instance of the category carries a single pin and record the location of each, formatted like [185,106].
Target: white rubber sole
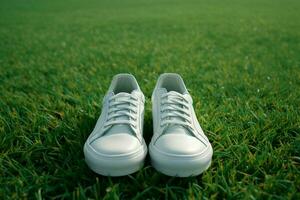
[180,166]
[120,165]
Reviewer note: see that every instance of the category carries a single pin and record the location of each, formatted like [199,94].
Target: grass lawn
[240,60]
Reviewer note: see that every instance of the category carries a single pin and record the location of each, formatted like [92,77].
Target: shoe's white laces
[175,110]
[122,109]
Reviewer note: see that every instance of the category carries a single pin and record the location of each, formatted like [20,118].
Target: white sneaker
[116,146]
[178,146]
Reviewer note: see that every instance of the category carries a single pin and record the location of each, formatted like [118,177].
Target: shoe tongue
[121,128]
[174,129]
[125,94]
[164,91]
[121,95]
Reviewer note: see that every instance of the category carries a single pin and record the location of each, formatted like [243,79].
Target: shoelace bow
[178,110]
[121,106]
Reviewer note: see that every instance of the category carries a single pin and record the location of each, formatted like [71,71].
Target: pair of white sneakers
[178,147]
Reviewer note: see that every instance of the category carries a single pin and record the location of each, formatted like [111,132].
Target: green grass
[240,60]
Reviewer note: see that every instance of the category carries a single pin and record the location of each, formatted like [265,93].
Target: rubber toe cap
[116,144]
[179,144]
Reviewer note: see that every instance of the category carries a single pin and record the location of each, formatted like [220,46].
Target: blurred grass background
[239,58]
